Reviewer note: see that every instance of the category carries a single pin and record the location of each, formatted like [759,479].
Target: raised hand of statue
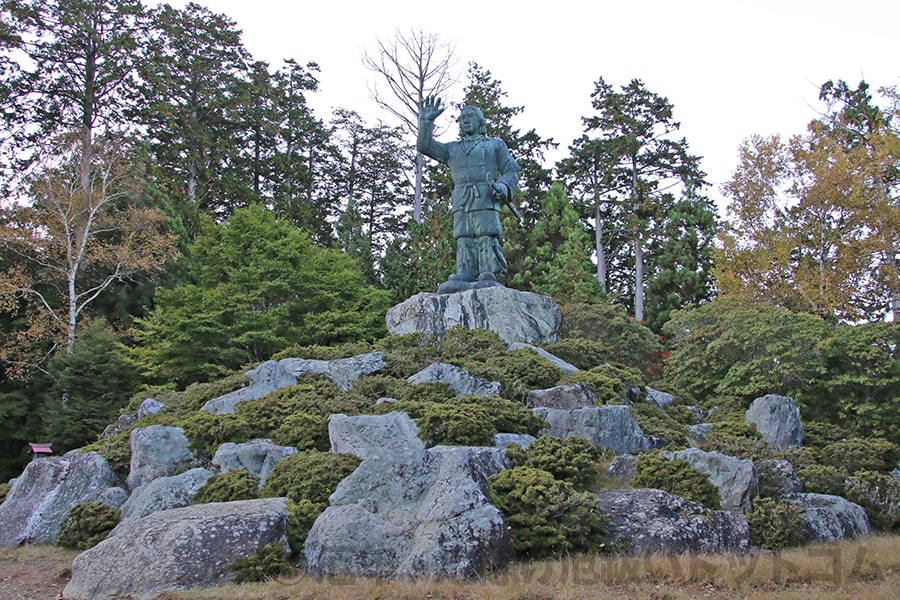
[430,109]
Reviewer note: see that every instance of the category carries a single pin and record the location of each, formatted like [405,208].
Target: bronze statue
[485,177]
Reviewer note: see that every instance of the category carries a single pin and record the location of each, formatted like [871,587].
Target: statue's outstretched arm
[429,110]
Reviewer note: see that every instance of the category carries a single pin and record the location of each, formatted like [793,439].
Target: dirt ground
[38,573]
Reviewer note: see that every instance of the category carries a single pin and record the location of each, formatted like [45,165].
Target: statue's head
[472,113]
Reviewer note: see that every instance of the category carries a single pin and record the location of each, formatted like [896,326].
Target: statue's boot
[466,268]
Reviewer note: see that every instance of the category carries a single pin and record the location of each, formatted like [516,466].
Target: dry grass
[865,569]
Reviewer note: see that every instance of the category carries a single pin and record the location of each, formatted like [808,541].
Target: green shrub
[635,346]
[676,477]
[194,396]
[775,524]
[731,436]
[309,475]
[518,372]
[408,354]
[608,382]
[547,517]
[508,416]
[879,494]
[462,346]
[316,352]
[859,454]
[582,353]
[370,388]
[313,394]
[207,431]
[469,420]
[307,479]
[823,479]
[463,424]
[574,460]
[269,562]
[87,525]
[800,457]
[236,484]
[116,449]
[660,423]
[301,516]
[304,432]
[4,490]
[818,434]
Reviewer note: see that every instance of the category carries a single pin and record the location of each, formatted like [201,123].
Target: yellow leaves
[79,235]
[811,223]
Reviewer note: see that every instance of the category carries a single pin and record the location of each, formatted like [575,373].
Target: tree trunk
[417,198]
[598,246]
[638,278]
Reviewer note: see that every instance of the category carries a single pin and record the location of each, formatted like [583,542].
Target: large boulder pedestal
[411,514]
[182,548]
[513,315]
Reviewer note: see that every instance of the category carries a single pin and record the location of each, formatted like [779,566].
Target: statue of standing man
[485,177]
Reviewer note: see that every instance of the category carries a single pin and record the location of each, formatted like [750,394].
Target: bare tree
[73,242]
[413,66]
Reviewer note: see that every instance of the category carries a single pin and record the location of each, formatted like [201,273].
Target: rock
[163,493]
[647,521]
[158,451]
[343,372]
[828,518]
[777,478]
[513,315]
[505,440]
[566,368]
[777,419]
[699,413]
[122,423]
[610,426]
[46,491]
[264,379]
[574,395]
[150,406]
[631,393]
[460,381]
[700,431]
[257,457]
[366,435]
[419,515]
[660,399]
[178,549]
[735,478]
[623,468]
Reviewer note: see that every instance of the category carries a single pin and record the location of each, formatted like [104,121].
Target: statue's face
[468,123]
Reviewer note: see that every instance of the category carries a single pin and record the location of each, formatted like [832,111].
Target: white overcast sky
[730,68]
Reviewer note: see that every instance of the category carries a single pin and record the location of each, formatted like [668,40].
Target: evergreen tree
[369,180]
[89,388]
[631,169]
[259,286]
[681,271]
[81,54]
[556,257]
[192,74]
